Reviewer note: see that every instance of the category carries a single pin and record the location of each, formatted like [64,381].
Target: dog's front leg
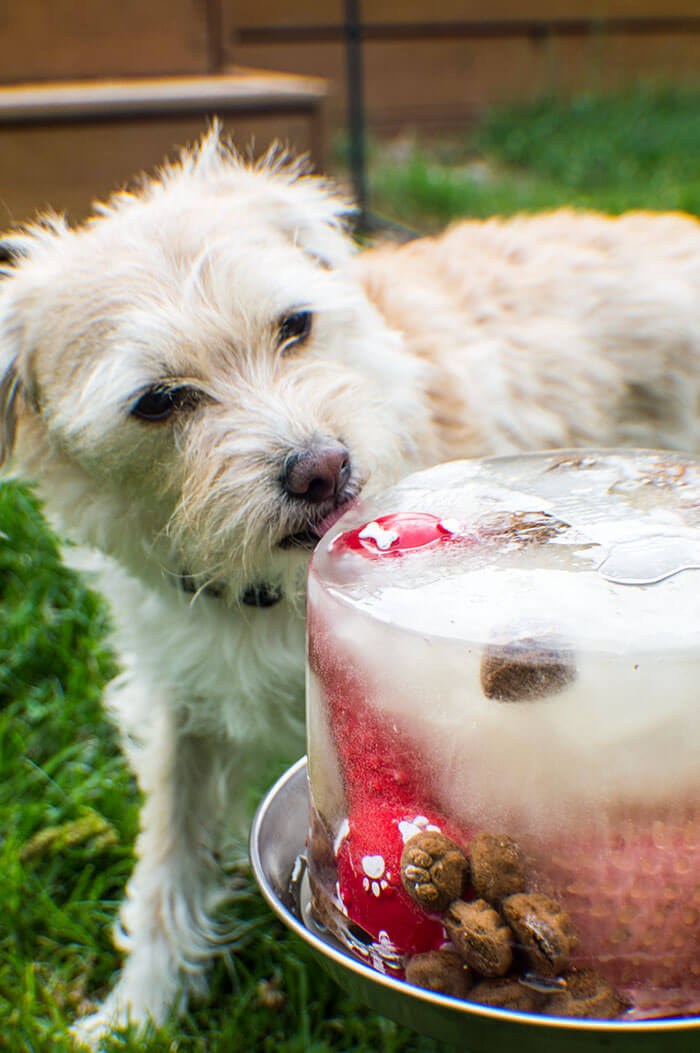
[166,922]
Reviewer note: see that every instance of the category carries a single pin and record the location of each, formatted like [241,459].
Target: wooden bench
[63,144]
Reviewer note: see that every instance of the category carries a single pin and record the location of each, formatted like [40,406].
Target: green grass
[68,816]
[68,806]
[637,150]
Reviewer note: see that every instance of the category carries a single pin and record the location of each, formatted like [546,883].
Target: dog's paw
[117,1014]
[90,1031]
[150,988]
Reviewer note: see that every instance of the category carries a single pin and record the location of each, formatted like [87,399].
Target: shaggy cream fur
[165,364]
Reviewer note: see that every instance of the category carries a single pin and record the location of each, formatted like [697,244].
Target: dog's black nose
[318,472]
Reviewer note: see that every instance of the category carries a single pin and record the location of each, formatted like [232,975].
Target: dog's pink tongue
[325,524]
[633,893]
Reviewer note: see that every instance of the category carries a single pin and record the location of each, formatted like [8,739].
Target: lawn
[639,150]
[68,807]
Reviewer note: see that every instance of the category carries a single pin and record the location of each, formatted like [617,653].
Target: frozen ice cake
[504,732]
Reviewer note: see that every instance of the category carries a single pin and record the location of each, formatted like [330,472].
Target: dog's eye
[159,403]
[294,329]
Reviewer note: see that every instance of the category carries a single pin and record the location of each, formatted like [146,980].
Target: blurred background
[93,91]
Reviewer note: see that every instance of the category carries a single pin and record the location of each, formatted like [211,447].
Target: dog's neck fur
[259,595]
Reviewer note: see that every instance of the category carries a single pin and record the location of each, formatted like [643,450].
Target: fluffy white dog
[204,374]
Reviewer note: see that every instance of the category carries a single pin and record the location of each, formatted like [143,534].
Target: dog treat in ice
[507,993]
[480,936]
[441,971]
[496,867]
[504,731]
[433,870]
[524,669]
[585,994]
[542,931]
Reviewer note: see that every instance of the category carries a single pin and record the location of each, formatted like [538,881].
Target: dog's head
[194,376]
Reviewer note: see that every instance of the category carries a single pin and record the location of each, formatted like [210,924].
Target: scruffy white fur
[552,331]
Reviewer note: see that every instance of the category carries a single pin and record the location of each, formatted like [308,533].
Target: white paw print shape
[375,875]
[409,827]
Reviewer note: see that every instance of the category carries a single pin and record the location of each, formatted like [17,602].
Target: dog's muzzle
[317,481]
[318,473]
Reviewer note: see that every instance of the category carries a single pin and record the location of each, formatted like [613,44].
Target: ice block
[503,699]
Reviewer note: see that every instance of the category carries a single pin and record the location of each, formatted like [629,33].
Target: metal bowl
[277,840]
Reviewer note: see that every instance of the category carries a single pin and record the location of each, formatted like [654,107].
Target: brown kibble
[496,867]
[507,993]
[542,930]
[525,670]
[523,528]
[441,971]
[586,994]
[480,936]
[433,870]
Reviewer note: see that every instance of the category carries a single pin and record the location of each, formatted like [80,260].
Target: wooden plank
[618,60]
[442,83]
[454,10]
[495,29]
[67,167]
[326,61]
[533,29]
[240,91]
[53,39]
[245,14]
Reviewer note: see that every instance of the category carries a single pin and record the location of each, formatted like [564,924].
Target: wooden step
[245,91]
[65,143]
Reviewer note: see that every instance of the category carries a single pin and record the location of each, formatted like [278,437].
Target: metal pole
[356,108]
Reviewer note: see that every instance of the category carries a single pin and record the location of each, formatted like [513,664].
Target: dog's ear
[321,230]
[12,250]
[19,250]
[7,256]
[307,208]
[9,380]
[9,393]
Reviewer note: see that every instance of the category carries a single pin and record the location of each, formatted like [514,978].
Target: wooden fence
[426,63]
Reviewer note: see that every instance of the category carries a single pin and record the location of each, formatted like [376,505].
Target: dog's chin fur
[562,330]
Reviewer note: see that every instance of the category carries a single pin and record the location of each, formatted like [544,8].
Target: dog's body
[203,376]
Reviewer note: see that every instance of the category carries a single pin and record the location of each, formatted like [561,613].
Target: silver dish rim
[343,959]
